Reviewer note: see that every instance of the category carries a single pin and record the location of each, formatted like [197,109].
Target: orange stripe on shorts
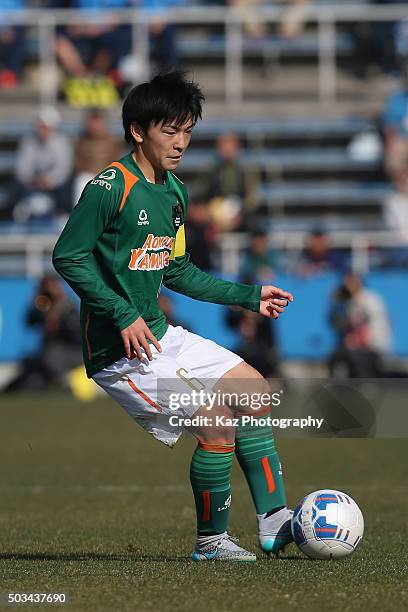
[268,475]
[143,395]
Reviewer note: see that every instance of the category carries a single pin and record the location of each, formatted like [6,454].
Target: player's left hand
[273,301]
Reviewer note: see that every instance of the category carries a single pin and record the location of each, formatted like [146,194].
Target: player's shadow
[90,556]
[125,556]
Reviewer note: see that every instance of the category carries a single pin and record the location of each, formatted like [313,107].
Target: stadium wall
[303,332]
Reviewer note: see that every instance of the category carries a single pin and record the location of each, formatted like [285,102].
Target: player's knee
[217,436]
[245,391]
[255,395]
[214,425]
[243,379]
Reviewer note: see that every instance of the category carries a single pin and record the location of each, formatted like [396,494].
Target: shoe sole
[274,546]
[198,557]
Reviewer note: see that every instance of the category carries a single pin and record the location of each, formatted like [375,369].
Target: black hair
[166,98]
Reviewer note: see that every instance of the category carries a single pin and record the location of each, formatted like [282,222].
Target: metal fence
[30,255]
[325,17]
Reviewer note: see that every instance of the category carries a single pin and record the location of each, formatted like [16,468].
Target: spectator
[200,235]
[389,39]
[396,206]
[294,18]
[395,122]
[254,25]
[257,345]
[396,218]
[12,47]
[162,34]
[230,189]
[94,150]
[44,167]
[57,317]
[227,178]
[318,257]
[94,47]
[259,260]
[361,322]
[380,43]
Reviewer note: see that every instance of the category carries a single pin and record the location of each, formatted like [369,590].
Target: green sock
[257,456]
[210,476]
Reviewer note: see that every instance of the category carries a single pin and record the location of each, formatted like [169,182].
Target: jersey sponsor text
[158,259]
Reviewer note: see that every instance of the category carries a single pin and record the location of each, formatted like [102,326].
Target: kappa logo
[108,175]
[143,220]
[226,505]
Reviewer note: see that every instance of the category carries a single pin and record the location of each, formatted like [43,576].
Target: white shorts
[145,388]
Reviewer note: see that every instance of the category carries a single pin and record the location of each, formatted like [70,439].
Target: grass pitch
[92,506]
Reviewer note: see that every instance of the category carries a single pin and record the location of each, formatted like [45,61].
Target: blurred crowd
[52,169]
[103,47]
[51,172]
[358,316]
[92,47]
[55,316]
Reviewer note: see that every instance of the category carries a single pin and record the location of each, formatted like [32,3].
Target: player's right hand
[135,339]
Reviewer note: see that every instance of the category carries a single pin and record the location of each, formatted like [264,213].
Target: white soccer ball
[327,524]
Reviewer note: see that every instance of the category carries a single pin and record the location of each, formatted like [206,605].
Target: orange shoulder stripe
[130,181]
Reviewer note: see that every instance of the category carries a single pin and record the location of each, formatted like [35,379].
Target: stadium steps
[288,128]
[301,162]
[204,47]
[277,90]
[335,222]
[203,160]
[299,176]
[325,194]
[206,44]
[324,160]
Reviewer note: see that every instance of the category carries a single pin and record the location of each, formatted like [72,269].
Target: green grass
[92,506]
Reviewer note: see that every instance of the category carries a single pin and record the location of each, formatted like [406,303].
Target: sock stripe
[206,506]
[217,448]
[268,475]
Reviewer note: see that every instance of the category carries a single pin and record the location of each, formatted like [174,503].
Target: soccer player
[123,240]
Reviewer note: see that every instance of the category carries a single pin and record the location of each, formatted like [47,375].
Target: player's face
[165,143]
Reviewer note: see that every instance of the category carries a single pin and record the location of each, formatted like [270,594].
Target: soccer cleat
[220,548]
[275,531]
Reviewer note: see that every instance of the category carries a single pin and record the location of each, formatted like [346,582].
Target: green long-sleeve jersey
[124,238]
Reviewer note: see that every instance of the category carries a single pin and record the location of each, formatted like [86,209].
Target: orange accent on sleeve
[88,344]
[206,506]
[217,448]
[268,474]
[130,181]
[143,395]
